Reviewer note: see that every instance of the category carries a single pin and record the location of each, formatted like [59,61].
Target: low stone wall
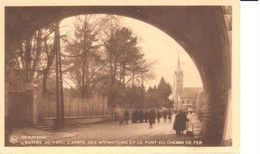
[73,120]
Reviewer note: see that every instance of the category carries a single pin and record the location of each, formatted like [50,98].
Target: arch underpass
[201,31]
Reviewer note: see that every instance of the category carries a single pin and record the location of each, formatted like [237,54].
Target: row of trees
[31,59]
[105,57]
[153,97]
[158,96]
[100,56]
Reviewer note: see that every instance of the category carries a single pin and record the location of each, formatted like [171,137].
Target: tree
[164,91]
[49,54]
[152,98]
[125,60]
[22,65]
[158,96]
[83,55]
[32,60]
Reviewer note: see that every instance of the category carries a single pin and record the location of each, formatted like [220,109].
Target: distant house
[188,98]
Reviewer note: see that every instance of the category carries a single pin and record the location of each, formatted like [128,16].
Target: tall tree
[22,66]
[158,96]
[83,54]
[164,91]
[49,54]
[126,62]
[164,88]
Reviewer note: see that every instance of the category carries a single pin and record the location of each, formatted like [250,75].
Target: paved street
[104,134]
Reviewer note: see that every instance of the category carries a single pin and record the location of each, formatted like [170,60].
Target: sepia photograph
[120,76]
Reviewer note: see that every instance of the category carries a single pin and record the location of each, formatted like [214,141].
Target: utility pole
[143,90]
[59,83]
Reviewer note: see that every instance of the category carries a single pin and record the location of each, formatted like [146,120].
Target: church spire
[179,63]
[178,86]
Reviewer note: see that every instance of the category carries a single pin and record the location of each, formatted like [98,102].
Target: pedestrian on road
[158,116]
[177,123]
[184,120]
[126,117]
[170,116]
[120,119]
[142,116]
[134,116]
[190,124]
[151,118]
[137,116]
[146,115]
[180,122]
[164,116]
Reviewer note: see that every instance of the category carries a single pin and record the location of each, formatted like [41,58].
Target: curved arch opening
[213,83]
[115,66]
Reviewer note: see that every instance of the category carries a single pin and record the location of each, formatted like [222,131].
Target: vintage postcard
[122,75]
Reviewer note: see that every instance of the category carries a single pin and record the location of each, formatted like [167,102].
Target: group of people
[181,120]
[140,116]
[166,114]
[150,116]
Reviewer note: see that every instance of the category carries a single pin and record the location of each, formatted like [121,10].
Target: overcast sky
[158,47]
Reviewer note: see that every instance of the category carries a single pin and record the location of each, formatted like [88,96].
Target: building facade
[184,98]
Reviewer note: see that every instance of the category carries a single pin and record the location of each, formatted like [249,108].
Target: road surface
[104,134]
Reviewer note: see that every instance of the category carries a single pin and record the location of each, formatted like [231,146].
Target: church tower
[178,85]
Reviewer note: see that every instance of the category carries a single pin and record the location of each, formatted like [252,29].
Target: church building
[184,98]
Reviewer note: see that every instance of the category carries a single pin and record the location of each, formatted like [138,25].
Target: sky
[158,47]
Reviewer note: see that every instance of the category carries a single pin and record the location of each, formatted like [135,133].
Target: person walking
[183,121]
[158,116]
[126,116]
[151,118]
[120,119]
[138,116]
[146,115]
[190,124]
[169,116]
[164,116]
[177,123]
[141,116]
[134,116]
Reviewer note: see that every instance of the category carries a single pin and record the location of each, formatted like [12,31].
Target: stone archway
[201,31]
